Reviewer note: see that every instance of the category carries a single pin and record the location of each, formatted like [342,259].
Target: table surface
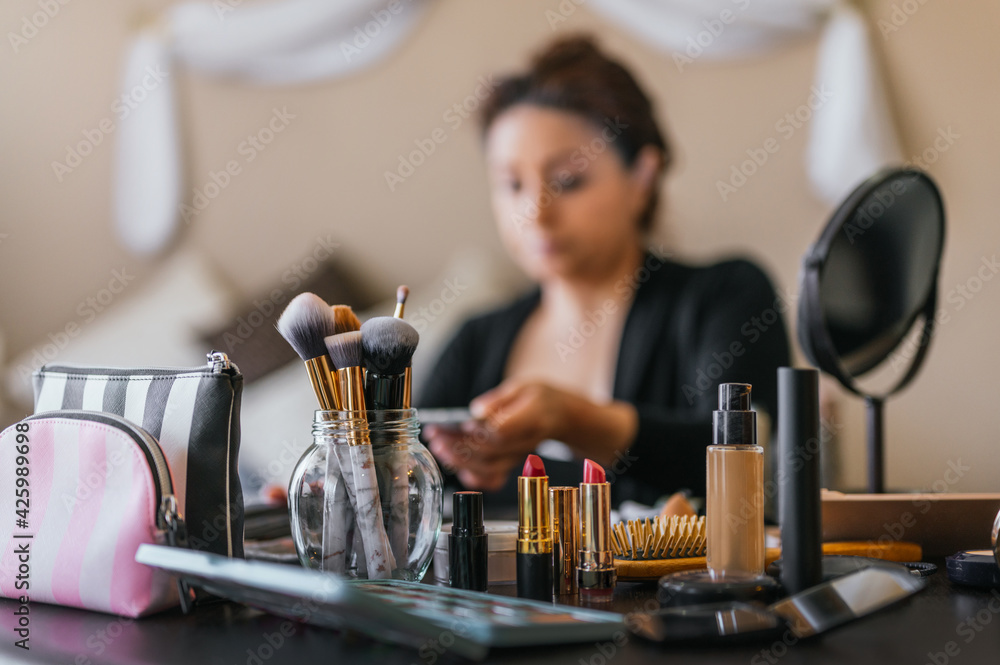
[943,624]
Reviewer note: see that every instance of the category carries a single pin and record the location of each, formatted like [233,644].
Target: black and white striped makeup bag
[194,413]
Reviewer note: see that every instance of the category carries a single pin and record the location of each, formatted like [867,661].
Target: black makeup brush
[402,293]
[304,324]
[388,344]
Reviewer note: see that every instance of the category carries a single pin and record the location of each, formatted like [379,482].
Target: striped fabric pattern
[92,503]
[194,416]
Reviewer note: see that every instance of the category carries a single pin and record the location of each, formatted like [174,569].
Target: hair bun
[568,52]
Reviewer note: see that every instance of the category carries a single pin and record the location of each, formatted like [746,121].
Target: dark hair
[572,74]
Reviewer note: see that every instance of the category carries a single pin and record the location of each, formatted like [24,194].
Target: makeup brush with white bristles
[305,324]
[357,464]
[388,345]
[402,293]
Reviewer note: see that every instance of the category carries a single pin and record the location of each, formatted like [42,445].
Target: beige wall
[324,174]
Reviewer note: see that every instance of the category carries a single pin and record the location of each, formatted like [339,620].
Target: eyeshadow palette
[394,611]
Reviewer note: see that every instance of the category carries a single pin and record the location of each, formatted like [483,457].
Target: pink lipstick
[596,573]
[534,535]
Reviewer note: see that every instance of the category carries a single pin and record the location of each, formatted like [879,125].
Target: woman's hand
[513,418]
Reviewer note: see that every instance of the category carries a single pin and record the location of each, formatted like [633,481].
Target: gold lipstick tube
[596,568]
[533,531]
[564,512]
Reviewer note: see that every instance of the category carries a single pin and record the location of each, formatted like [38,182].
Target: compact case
[112,459]
[83,490]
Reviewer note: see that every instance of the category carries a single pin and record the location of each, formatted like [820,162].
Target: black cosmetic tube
[468,547]
[799,478]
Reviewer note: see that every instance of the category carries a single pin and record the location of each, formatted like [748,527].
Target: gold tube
[352,395]
[320,372]
[533,531]
[596,568]
[563,510]
[407,387]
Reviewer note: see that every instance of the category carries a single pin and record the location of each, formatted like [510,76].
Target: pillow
[152,323]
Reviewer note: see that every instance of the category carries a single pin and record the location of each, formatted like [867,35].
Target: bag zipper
[218,362]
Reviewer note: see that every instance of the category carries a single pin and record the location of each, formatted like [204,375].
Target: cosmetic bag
[194,415]
[79,492]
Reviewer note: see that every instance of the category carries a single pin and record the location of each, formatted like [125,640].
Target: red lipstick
[534,535]
[596,573]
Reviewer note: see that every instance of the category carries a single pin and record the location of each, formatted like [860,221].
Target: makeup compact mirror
[866,282]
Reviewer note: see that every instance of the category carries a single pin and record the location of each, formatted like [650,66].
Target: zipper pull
[177,537]
[218,361]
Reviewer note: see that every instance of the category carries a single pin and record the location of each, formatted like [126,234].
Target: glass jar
[365,498]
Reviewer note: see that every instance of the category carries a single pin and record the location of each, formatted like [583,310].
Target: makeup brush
[304,324]
[388,345]
[402,293]
[358,464]
[345,319]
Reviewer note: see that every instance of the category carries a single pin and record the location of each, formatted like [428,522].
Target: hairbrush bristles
[345,319]
[305,323]
[345,349]
[388,344]
[402,293]
[675,537]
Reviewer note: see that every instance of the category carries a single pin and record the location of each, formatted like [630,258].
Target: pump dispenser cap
[734,424]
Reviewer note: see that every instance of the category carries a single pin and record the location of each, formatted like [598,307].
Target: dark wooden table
[942,625]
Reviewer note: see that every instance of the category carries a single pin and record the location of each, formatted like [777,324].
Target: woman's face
[565,203]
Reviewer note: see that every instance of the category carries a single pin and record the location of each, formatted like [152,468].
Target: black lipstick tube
[468,547]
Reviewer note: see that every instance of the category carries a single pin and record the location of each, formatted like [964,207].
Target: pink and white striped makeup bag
[79,492]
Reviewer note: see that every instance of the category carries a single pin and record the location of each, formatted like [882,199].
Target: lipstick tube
[596,572]
[564,508]
[534,538]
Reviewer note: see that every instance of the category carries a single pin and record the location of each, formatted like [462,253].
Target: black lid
[468,514]
[734,424]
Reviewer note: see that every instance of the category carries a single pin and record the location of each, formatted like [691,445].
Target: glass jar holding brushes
[365,498]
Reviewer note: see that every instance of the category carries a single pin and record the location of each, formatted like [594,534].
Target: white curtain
[275,43]
[851,134]
[294,41]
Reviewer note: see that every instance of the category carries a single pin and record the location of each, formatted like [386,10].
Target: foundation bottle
[734,509]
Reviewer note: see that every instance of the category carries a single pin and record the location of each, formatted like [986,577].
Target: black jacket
[689,329]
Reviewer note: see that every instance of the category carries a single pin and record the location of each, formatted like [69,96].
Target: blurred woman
[617,353]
